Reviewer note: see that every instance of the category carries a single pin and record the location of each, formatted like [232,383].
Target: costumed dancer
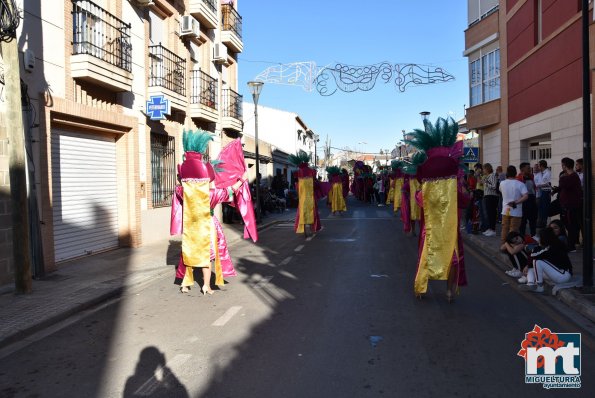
[345,182]
[307,211]
[335,195]
[203,242]
[397,166]
[437,168]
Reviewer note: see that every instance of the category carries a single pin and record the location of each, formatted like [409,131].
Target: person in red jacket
[570,194]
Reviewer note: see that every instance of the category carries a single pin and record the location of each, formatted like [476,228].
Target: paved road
[331,316]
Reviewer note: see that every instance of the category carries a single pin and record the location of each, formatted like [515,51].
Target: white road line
[149,386]
[285,261]
[288,275]
[309,238]
[299,248]
[227,316]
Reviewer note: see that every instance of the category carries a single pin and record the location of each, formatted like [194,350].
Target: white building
[285,132]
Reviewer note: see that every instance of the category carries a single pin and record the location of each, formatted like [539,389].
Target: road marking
[299,248]
[227,316]
[149,386]
[309,238]
[343,240]
[285,261]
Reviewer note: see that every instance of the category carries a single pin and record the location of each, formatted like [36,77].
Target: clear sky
[358,33]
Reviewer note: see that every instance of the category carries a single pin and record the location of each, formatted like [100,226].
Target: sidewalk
[573,297]
[89,281]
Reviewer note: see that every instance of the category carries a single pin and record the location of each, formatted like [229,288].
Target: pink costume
[405,205]
[307,198]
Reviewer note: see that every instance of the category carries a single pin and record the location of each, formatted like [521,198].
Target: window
[485,78]
[163,169]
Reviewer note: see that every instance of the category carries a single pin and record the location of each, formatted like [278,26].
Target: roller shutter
[85,196]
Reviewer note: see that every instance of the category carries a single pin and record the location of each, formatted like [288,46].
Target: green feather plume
[396,164]
[410,166]
[442,133]
[333,170]
[300,157]
[196,141]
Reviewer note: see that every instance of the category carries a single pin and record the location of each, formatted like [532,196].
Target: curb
[569,296]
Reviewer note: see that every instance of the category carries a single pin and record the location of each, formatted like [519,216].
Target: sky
[429,32]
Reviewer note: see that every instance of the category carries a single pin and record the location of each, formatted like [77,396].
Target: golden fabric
[218,269]
[306,202]
[397,193]
[389,197]
[440,218]
[337,200]
[197,223]
[414,186]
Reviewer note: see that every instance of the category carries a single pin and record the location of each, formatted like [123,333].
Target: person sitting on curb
[514,247]
[560,231]
[550,261]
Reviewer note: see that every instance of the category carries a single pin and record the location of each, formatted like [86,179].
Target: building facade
[104,163]
[285,132]
[525,74]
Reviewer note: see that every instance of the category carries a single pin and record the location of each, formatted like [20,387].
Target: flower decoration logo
[539,338]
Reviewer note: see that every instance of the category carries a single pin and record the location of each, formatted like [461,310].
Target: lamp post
[424,117]
[255,89]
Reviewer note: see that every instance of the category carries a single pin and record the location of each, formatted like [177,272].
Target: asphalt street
[333,315]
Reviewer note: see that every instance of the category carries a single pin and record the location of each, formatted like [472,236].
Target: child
[514,247]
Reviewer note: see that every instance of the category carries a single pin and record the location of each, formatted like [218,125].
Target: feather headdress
[333,170]
[299,158]
[196,141]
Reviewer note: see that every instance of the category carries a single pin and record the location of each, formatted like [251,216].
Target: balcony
[101,49]
[167,76]
[205,11]
[203,97]
[232,110]
[483,115]
[231,28]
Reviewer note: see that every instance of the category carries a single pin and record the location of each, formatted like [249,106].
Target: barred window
[163,168]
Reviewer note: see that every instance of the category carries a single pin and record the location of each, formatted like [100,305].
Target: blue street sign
[471,155]
[157,107]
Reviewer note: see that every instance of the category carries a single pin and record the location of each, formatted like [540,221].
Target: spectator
[570,194]
[543,185]
[514,193]
[471,185]
[560,231]
[490,199]
[578,167]
[550,261]
[501,177]
[514,247]
[529,205]
[478,195]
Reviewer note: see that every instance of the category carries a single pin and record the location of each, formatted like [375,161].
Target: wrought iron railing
[204,89]
[98,33]
[163,169]
[211,4]
[167,69]
[232,104]
[231,19]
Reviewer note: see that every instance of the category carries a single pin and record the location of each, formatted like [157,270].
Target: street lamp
[255,89]
[425,116]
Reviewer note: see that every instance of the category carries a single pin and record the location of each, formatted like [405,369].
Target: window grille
[163,169]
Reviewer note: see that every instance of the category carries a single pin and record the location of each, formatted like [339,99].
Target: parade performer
[345,182]
[335,195]
[398,180]
[307,211]
[437,168]
[203,242]
[406,205]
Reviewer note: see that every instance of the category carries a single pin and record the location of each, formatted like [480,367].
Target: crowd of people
[532,212]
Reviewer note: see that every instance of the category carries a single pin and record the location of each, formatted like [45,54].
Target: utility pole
[17,164]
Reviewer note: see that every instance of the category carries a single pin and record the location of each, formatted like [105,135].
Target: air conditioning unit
[220,53]
[189,27]
[144,3]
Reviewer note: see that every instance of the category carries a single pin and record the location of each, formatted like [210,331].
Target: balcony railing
[232,104]
[167,70]
[98,33]
[204,89]
[211,4]
[231,19]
